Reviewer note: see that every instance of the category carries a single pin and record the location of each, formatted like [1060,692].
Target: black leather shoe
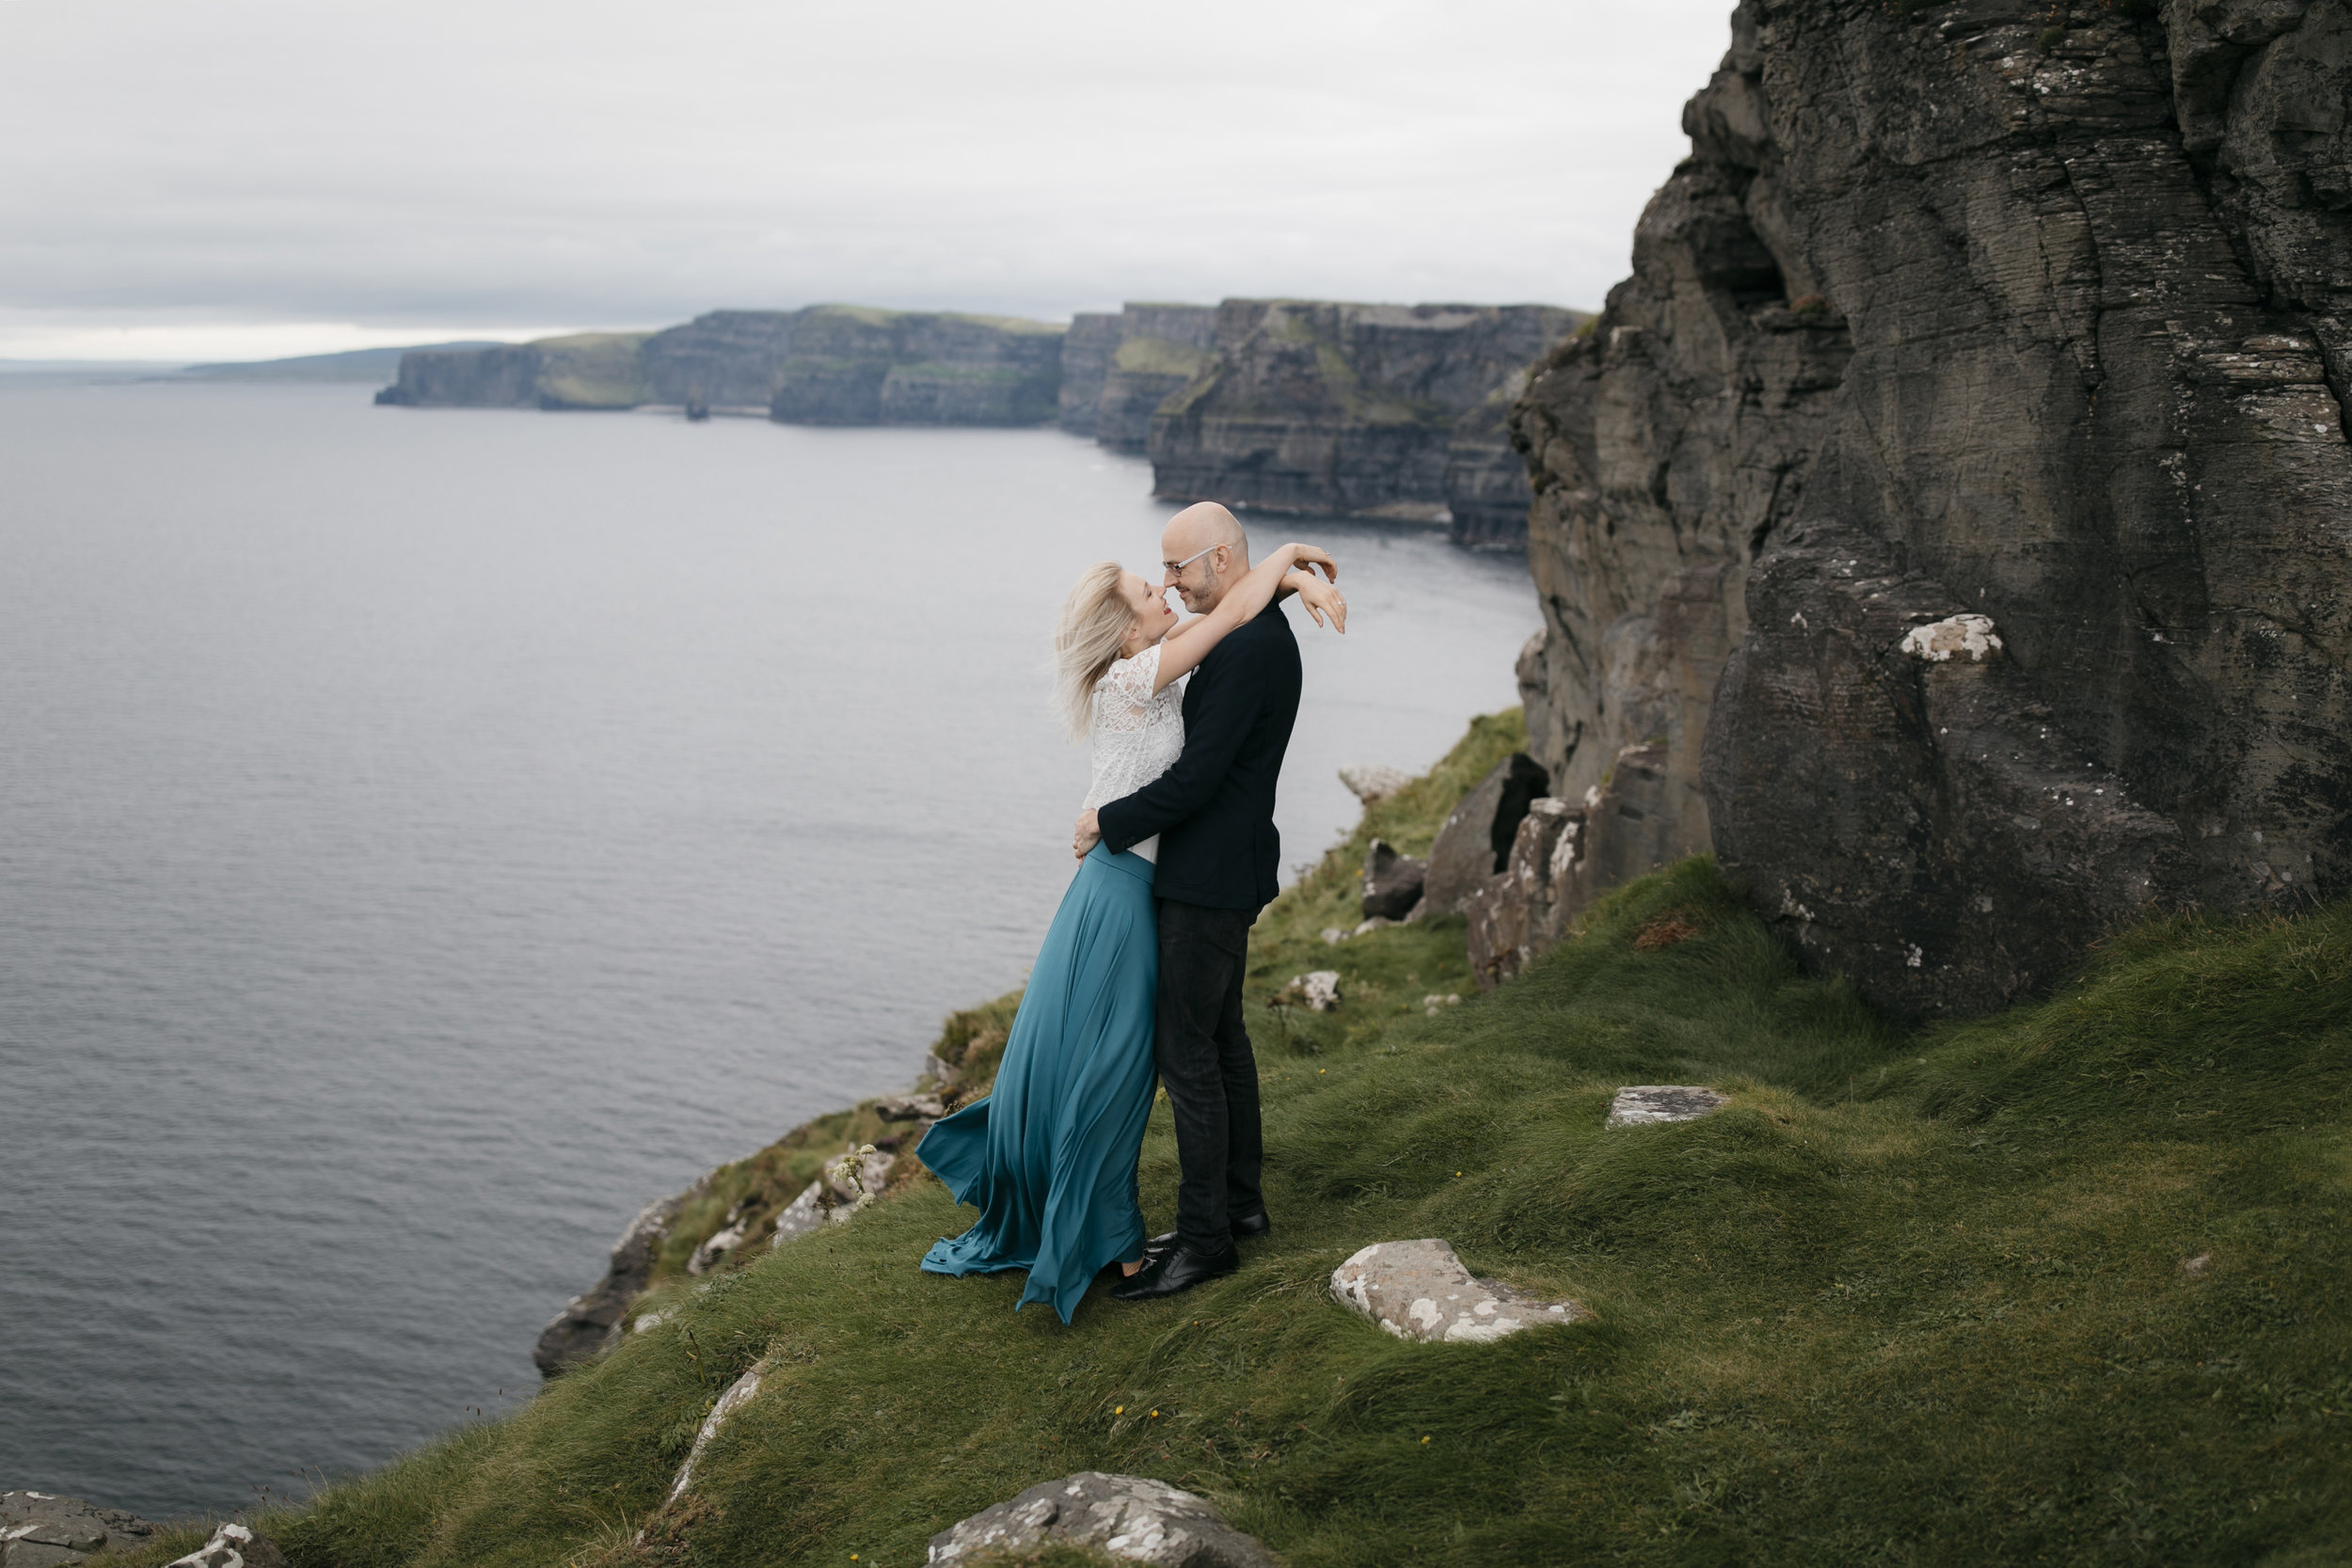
[1246,1228]
[1179,1268]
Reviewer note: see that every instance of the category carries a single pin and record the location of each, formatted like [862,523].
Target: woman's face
[1153,619]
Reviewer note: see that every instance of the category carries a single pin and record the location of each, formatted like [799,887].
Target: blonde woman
[1049,1157]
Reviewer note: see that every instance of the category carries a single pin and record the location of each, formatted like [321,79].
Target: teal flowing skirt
[1049,1156]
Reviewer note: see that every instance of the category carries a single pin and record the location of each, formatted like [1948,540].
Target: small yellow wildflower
[1118,1410]
[1156,1415]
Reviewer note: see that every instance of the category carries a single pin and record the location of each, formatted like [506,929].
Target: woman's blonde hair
[1095,621]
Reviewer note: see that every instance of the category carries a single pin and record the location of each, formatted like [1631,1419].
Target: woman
[1049,1157]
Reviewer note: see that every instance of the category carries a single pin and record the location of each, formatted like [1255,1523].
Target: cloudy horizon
[257,178]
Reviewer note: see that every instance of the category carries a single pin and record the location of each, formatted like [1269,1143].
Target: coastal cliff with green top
[1299,406]
[2061,1283]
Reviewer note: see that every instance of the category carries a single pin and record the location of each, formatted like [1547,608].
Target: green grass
[875,316]
[1004,375]
[592,370]
[1160,357]
[2060,1286]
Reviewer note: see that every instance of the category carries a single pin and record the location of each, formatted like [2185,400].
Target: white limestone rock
[1642,1103]
[1374,780]
[1132,1519]
[739,1393]
[849,1184]
[234,1546]
[1319,990]
[1939,641]
[1421,1290]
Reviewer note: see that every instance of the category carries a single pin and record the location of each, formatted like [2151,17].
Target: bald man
[1219,852]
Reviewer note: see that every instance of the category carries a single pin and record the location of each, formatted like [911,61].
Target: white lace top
[1135,735]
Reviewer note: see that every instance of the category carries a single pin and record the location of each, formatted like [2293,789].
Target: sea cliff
[1129,364]
[1951,502]
[1321,410]
[589,371]
[829,364]
[1304,407]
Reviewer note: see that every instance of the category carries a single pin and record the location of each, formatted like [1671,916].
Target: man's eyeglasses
[1180,565]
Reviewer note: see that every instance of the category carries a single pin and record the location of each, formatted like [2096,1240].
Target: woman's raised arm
[1252,593]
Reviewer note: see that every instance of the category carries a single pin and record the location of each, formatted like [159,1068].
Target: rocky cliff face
[1086,360]
[725,359]
[1958,496]
[1118,370]
[1163,349]
[591,370]
[830,364]
[850,365]
[1325,409]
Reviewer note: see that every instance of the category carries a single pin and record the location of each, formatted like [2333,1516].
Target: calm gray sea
[425,837]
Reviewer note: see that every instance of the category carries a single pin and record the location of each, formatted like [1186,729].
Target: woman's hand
[1321,599]
[1307,555]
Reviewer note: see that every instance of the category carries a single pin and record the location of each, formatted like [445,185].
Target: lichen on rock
[1421,1290]
[1132,1519]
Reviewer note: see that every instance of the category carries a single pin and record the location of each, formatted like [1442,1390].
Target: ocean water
[427,835]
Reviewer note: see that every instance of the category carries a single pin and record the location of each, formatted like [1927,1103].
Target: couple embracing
[1140,975]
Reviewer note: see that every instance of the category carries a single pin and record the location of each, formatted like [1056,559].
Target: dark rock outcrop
[591,1323]
[1327,409]
[1393,882]
[1564,854]
[1526,907]
[1474,841]
[589,371]
[2043,316]
[40,1529]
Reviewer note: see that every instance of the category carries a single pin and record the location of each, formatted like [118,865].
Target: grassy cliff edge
[2064,1284]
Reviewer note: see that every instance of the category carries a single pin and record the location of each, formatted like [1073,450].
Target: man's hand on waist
[1088,834]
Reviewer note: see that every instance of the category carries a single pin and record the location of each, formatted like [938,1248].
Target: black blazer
[1213,811]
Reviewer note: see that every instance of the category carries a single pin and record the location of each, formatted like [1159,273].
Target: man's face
[1197,574]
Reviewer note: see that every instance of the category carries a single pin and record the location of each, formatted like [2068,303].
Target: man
[1219,852]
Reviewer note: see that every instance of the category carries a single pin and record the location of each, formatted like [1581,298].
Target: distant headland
[1306,407]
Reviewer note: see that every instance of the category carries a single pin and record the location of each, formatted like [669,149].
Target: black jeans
[1206,1066]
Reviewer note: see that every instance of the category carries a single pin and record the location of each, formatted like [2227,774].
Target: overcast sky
[213,179]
